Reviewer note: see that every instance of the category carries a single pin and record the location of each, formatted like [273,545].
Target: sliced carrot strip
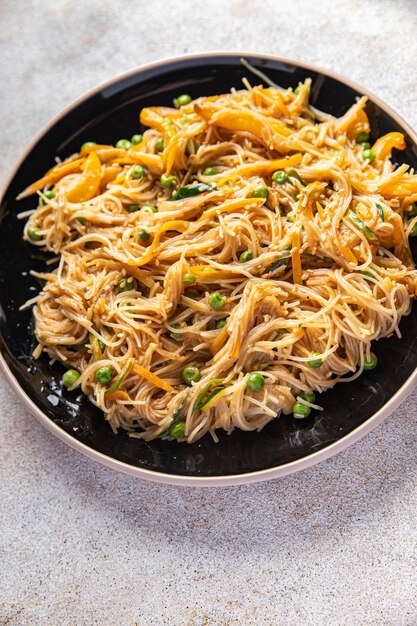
[89,183]
[296,258]
[219,341]
[117,395]
[152,378]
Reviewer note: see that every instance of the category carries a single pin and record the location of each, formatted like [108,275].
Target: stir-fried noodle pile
[219,269]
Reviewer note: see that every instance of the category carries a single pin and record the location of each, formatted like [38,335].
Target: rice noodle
[320,282]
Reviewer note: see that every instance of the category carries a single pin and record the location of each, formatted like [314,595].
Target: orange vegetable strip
[228,207]
[152,378]
[296,258]
[219,341]
[89,183]
[52,176]
[384,145]
[262,167]
[117,395]
[178,225]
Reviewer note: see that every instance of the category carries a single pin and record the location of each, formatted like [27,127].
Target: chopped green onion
[361,225]
[294,174]
[143,235]
[278,263]
[413,211]
[132,208]
[126,284]
[246,256]
[382,211]
[201,398]
[120,379]
[206,404]
[192,190]
[316,362]
[221,323]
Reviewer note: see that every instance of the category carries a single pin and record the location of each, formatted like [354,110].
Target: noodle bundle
[240,255]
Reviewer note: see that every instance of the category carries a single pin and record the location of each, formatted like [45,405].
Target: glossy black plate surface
[105,116]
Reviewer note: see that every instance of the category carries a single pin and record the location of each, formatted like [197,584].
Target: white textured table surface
[81,544]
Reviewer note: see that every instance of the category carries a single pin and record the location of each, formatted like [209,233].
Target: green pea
[126,284]
[87,144]
[413,231]
[209,171]
[300,411]
[177,431]
[368,155]
[261,191]
[176,335]
[190,374]
[189,279]
[280,177]
[70,377]
[182,100]
[123,144]
[150,207]
[136,139]
[371,363]
[255,382]
[159,144]
[191,293]
[316,362]
[143,235]
[168,181]
[132,208]
[308,396]
[362,137]
[104,375]
[221,323]
[246,256]
[216,301]
[34,233]
[366,145]
[49,194]
[138,172]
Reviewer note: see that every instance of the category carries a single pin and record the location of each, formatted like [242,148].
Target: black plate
[105,116]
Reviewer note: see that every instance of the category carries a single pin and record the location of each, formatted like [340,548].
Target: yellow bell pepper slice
[178,225]
[89,183]
[52,176]
[262,168]
[384,145]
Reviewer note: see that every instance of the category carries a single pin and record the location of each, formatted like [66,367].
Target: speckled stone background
[82,545]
